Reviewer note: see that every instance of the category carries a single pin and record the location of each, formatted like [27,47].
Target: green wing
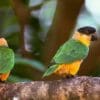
[50,70]
[6,59]
[71,51]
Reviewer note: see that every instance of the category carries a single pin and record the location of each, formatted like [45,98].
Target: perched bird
[6,60]
[71,54]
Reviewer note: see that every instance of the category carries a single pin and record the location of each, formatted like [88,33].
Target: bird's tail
[50,70]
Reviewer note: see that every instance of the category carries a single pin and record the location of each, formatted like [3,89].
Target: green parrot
[67,60]
[6,60]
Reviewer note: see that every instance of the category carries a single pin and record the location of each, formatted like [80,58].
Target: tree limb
[23,15]
[78,88]
[64,21]
[92,63]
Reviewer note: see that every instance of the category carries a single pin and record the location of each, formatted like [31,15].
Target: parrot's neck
[86,40]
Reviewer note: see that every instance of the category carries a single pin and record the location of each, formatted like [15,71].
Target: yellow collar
[86,40]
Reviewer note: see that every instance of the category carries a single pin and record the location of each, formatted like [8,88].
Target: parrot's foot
[2,81]
[70,76]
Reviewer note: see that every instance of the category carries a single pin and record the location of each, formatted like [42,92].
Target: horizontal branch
[78,88]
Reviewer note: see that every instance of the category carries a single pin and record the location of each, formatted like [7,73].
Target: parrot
[6,60]
[69,57]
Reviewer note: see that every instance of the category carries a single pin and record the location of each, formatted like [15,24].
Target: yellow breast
[68,69]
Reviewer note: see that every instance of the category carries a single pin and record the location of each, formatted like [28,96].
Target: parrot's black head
[88,30]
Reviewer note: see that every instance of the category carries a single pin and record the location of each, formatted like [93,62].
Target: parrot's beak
[94,37]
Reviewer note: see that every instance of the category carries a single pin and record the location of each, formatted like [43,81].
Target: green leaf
[10,24]
[35,64]
[13,40]
[15,78]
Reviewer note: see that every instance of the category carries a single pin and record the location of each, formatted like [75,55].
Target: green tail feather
[50,70]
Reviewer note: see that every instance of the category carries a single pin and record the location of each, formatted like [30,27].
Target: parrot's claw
[2,81]
[69,76]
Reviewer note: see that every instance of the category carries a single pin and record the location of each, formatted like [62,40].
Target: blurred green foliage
[26,68]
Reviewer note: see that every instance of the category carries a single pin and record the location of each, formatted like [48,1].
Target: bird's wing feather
[71,51]
[6,59]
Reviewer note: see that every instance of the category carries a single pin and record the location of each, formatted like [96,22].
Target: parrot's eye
[93,38]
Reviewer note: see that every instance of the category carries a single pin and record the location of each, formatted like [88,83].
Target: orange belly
[68,69]
[3,77]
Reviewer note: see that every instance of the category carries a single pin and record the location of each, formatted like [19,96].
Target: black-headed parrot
[67,60]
